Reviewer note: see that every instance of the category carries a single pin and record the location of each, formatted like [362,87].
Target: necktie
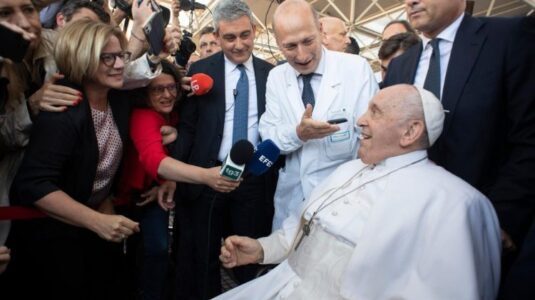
[308,94]
[432,80]
[241,107]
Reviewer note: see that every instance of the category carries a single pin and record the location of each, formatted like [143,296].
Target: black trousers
[80,266]
[203,223]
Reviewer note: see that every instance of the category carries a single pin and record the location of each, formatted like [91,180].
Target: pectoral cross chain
[306,232]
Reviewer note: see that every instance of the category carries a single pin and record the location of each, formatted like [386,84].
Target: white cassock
[403,229]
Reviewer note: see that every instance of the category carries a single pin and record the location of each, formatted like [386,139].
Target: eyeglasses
[108,59]
[159,90]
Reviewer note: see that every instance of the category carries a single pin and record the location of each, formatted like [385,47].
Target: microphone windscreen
[201,83]
[264,157]
[241,152]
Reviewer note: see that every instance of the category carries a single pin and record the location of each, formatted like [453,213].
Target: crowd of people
[417,187]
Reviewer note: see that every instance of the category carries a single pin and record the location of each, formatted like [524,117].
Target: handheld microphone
[201,83]
[264,157]
[234,164]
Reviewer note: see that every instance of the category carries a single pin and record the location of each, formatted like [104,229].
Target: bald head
[298,35]
[334,34]
[294,11]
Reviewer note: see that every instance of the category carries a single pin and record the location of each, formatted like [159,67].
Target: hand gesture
[169,134]
[310,129]
[141,12]
[239,251]
[53,97]
[114,228]
[219,183]
[166,191]
[5,257]
[185,83]
[30,37]
[171,41]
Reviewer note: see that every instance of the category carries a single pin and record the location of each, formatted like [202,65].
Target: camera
[187,47]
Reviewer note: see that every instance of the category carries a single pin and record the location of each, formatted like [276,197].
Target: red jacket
[144,153]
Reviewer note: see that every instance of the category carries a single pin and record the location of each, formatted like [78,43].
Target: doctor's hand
[310,129]
[239,251]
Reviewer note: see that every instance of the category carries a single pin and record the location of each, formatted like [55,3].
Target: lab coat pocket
[340,145]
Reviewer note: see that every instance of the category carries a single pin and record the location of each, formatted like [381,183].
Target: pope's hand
[310,129]
[239,251]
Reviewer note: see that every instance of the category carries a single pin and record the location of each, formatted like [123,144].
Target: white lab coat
[429,235]
[347,85]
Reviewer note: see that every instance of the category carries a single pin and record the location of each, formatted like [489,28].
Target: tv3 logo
[231,172]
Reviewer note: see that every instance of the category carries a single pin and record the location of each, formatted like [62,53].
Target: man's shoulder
[263,63]
[207,63]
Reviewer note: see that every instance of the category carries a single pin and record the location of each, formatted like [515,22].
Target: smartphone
[16,45]
[154,31]
[337,121]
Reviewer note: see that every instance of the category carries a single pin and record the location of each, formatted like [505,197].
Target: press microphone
[265,155]
[234,164]
[201,83]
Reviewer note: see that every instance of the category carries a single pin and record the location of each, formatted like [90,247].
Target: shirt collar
[230,66]
[448,34]
[321,66]
[401,160]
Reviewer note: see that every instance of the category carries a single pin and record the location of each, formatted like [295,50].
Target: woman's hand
[213,179]
[5,257]
[166,192]
[54,97]
[114,228]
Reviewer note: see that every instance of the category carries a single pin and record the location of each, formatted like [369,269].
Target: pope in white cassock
[390,225]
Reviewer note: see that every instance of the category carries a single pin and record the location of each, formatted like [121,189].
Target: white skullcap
[433,114]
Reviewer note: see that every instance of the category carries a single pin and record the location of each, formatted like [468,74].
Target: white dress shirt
[316,79]
[232,75]
[447,36]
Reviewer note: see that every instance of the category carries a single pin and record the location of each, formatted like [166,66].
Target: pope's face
[381,130]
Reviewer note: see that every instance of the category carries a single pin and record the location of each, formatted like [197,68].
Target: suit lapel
[293,94]
[408,70]
[260,74]
[218,67]
[466,47]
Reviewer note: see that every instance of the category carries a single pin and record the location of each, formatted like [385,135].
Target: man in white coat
[390,225]
[330,85]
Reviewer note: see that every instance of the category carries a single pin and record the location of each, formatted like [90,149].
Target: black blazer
[489,131]
[202,117]
[63,155]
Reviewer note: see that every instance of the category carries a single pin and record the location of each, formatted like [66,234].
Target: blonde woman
[70,166]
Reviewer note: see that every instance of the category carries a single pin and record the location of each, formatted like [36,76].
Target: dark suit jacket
[202,117]
[63,155]
[489,131]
